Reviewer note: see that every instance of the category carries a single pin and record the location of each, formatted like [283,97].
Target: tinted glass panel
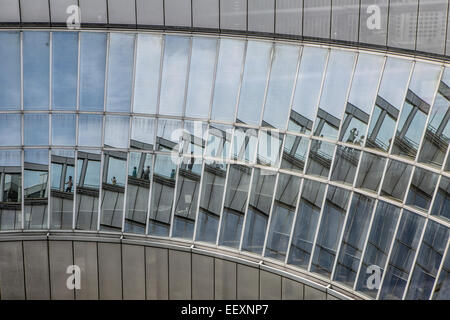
[10,75]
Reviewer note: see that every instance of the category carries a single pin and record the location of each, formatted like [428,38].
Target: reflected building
[287,153]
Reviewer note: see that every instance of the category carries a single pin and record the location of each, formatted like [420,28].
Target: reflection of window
[35,184]
[382,125]
[10,187]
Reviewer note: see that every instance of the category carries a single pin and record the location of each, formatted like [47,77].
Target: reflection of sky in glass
[438,112]
[63,129]
[337,80]
[282,76]
[173,80]
[424,80]
[36,129]
[92,70]
[395,79]
[38,156]
[147,73]
[365,81]
[143,130]
[309,81]
[36,70]
[120,72]
[10,130]
[116,131]
[164,165]
[117,168]
[201,77]
[227,79]
[10,158]
[10,71]
[251,98]
[92,178]
[56,175]
[64,70]
[90,130]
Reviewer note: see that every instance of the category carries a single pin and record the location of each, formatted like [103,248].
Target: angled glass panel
[269,148]
[254,81]
[11,71]
[173,81]
[305,227]
[282,216]
[428,261]
[92,70]
[388,103]
[334,93]
[362,96]
[320,157]
[201,75]
[415,110]
[244,144]
[120,72]
[211,199]
[35,188]
[36,70]
[90,130]
[307,89]
[442,289]
[370,172]
[396,180]
[168,135]
[193,139]
[281,84]
[402,256]
[35,129]
[262,191]
[62,188]
[331,226]
[437,134]
[186,199]
[88,187]
[377,248]
[142,133]
[163,188]
[294,153]
[148,65]
[421,189]
[441,205]
[10,129]
[228,75]
[235,205]
[116,131]
[10,189]
[355,233]
[219,141]
[138,191]
[63,129]
[64,70]
[345,164]
[114,178]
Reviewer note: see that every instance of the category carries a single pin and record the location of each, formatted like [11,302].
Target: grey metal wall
[36,269]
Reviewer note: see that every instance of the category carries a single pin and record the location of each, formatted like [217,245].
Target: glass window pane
[235,205]
[402,17]
[282,216]
[10,189]
[168,135]
[228,77]
[320,158]
[201,77]
[148,66]
[143,133]
[211,198]
[10,66]
[35,129]
[377,248]
[282,77]
[345,163]
[219,141]
[370,172]
[396,180]
[421,189]
[251,97]
[63,129]
[120,72]
[263,186]
[307,90]
[36,70]
[64,70]
[331,225]
[355,233]
[173,82]
[10,130]
[269,148]
[294,153]
[442,289]
[193,139]
[90,130]
[116,131]
[244,144]
[92,70]
[402,256]
[441,206]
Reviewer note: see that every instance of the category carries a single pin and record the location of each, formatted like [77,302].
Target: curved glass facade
[330,160]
